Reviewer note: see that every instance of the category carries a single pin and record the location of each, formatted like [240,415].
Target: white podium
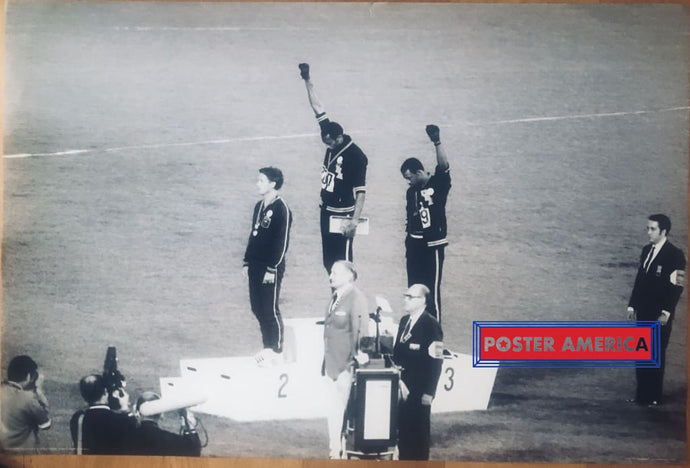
[236,388]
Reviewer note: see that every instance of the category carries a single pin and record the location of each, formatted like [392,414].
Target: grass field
[133,133]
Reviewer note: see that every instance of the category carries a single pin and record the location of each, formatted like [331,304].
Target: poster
[134,132]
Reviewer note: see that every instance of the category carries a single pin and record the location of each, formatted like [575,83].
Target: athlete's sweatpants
[264,302]
[425,266]
[335,246]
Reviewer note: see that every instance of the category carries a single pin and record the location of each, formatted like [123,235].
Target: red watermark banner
[565,344]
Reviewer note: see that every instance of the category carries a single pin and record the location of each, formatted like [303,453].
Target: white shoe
[262,357]
[268,358]
[276,359]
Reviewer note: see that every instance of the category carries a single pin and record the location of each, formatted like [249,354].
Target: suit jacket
[343,327]
[104,432]
[420,355]
[149,439]
[653,290]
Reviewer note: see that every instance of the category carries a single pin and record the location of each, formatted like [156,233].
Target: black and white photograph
[267,229]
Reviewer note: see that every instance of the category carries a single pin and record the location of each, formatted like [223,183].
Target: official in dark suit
[658,286]
[419,351]
[149,439]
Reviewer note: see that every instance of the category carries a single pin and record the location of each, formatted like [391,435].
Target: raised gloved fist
[434,133]
[304,70]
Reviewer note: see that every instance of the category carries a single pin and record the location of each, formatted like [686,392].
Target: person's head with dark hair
[22,369]
[663,221]
[273,174]
[413,171]
[332,135]
[93,389]
[412,165]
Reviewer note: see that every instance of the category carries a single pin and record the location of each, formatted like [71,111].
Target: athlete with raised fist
[426,221]
[343,181]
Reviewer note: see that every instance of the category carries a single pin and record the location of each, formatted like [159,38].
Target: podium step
[237,388]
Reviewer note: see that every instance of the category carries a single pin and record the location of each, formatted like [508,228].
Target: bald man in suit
[419,351]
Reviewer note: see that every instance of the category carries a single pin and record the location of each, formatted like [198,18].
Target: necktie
[334,301]
[406,331]
[649,259]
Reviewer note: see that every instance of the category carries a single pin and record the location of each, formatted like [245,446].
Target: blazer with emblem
[418,356]
[343,327]
[653,290]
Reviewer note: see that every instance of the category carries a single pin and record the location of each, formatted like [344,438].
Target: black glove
[304,71]
[434,133]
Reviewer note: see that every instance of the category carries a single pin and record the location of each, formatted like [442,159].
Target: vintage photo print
[190,212]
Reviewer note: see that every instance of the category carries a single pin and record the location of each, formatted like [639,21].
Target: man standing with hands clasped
[345,322]
[658,286]
[264,262]
[419,351]
[343,181]
[426,221]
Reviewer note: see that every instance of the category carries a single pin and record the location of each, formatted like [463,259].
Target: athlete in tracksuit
[264,259]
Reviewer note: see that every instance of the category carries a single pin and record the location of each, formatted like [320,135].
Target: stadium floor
[133,133]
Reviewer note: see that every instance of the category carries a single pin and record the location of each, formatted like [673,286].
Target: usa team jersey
[426,209]
[343,174]
[270,235]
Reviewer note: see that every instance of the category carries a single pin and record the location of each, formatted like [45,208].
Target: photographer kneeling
[149,439]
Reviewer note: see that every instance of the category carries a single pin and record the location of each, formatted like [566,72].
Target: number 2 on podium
[283,383]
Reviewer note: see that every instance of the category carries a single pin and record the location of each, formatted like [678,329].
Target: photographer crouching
[150,439]
[106,426]
[24,406]
[100,430]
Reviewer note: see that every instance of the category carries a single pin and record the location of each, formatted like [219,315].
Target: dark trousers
[334,246]
[650,380]
[414,429]
[264,302]
[425,266]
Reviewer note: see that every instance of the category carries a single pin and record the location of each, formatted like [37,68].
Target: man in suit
[419,351]
[150,439]
[99,430]
[657,289]
[344,325]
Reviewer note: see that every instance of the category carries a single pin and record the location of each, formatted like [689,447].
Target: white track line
[581,116]
[213,28]
[225,141]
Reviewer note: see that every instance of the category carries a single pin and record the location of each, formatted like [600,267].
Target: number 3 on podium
[448,386]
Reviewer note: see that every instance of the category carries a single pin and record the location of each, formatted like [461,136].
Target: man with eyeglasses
[419,351]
